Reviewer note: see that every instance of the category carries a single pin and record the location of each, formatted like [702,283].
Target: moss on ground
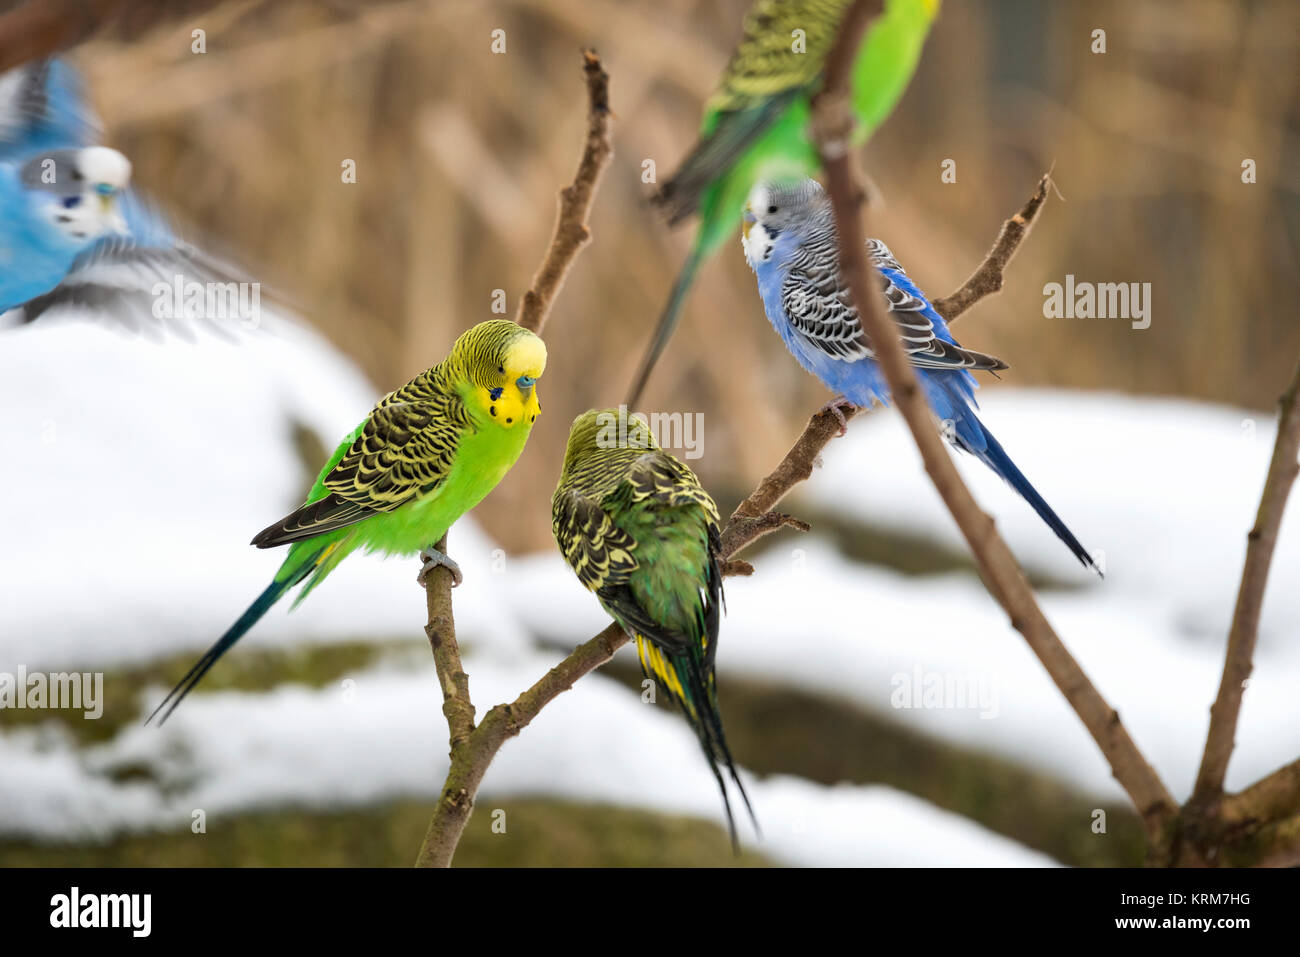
[538,833]
[777,730]
[772,730]
[250,670]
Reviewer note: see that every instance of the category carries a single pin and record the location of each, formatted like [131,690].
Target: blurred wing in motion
[149,289]
[41,108]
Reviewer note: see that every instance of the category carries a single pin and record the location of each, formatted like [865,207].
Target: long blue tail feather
[996,458]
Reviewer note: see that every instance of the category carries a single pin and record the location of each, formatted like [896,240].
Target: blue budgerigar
[790,242]
[54,209]
[71,231]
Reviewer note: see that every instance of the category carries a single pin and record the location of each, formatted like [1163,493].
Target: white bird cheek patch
[758,244]
[79,223]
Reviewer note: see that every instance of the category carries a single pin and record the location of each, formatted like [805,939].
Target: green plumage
[641,533]
[426,454]
[756,124]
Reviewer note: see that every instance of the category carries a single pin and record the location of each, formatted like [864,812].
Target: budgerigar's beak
[107,197]
[748,221]
[111,210]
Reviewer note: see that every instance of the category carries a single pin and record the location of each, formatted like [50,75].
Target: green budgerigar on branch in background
[756,124]
[637,528]
[426,455]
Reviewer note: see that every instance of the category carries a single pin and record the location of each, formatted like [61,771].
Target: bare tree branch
[1260,825]
[472,749]
[471,756]
[832,125]
[1274,844]
[1268,799]
[571,231]
[796,467]
[987,278]
[456,801]
[1261,541]
[752,519]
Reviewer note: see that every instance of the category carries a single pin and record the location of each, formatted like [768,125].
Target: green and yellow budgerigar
[637,528]
[425,455]
[756,124]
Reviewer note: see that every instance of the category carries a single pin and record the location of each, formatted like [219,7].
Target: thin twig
[472,753]
[470,762]
[987,278]
[796,467]
[472,748]
[1261,542]
[1003,577]
[571,230]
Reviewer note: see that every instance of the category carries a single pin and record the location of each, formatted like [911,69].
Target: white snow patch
[384,737]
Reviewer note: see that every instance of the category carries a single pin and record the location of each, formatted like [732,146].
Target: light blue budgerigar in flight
[71,230]
[791,244]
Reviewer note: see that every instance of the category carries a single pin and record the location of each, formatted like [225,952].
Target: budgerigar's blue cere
[790,242]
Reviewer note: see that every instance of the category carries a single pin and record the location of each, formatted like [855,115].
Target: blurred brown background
[459,153]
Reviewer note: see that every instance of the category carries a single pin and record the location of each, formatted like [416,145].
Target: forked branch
[832,126]
[1260,544]
[472,748]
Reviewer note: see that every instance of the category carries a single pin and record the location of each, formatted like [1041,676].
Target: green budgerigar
[425,455]
[637,528]
[756,125]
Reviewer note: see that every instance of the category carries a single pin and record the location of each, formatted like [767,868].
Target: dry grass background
[460,151]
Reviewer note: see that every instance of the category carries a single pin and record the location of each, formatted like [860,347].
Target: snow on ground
[383,738]
[896,634]
[1165,489]
[143,470]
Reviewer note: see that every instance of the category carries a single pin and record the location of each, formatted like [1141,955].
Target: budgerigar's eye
[69,202]
[501,369]
[771,210]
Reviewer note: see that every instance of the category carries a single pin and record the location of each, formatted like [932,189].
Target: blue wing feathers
[803,296]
